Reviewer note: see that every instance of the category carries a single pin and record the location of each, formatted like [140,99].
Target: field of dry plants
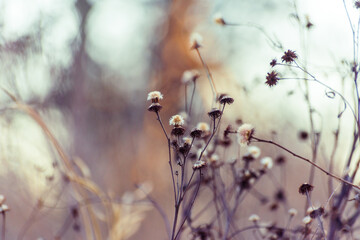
[179,120]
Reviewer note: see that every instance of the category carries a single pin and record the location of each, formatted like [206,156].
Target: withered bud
[178,131]
[214,113]
[155,107]
[196,133]
[305,188]
[225,99]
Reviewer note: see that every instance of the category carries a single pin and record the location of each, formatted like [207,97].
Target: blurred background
[86,66]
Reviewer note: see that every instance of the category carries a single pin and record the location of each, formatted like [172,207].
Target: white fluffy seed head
[155,95]
[176,120]
[190,76]
[267,162]
[245,132]
[195,40]
[254,218]
[307,220]
[292,212]
[254,151]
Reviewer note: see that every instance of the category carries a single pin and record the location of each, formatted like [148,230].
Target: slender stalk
[192,98]
[209,75]
[307,160]
[3,226]
[190,206]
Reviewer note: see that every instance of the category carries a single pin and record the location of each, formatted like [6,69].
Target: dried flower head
[214,113]
[178,131]
[218,18]
[225,99]
[155,96]
[214,160]
[254,151]
[190,76]
[254,218]
[272,78]
[309,24]
[245,133]
[199,164]
[196,133]
[187,140]
[303,135]
[176,120]
[317,212]
[305,188]
[195,40]
[280,160]
[292,212]
[203,126]
[307,220]
[155,107]
[289,56]
[4,208]
[267,162]
[273,62]
[357,4]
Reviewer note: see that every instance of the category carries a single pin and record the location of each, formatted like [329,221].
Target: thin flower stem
[307,160]
[186,105]
[190,206]
[169,147]
[183,167]
[323,84]
[215,127]
[209,75]
[3,226]
[192,97]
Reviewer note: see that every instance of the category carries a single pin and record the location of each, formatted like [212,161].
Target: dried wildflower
[195,41]
[248,157]
[309,24]
[155,107]
[190,76]
[254,218]
[214,113]
[317,212]
[203,126]
[196,133]
[176,120]
[357,4]
[273,62]
[245,133]
[280,195]
[303,135]
[306,220]
[187,140]
[267,162]
[292,212]
[272,78]
[305,188]
[214,160]
[274,207]
[199,164]
[289,56]
[280,160]
[254,151]
[4,208]
[218,19]
[155,96]
[225,99]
